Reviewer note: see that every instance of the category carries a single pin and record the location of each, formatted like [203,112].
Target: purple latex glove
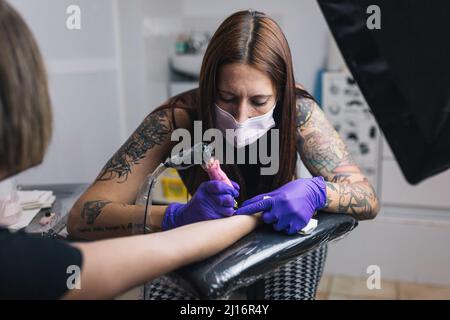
[289,207]
[213,200]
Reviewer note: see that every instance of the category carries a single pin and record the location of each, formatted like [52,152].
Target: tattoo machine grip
[215,172]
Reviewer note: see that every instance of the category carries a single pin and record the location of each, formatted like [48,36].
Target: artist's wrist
[321,192]
[172,216]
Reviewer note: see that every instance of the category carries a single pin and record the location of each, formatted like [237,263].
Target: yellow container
[173,189]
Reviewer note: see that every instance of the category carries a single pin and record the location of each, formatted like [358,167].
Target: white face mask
[246,132]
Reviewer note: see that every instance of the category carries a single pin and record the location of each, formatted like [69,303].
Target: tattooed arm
[325,154]
[107,208]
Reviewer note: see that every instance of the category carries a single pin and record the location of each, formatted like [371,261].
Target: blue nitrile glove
[290,207]
[213,200]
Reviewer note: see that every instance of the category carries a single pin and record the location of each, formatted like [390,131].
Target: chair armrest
[255,255]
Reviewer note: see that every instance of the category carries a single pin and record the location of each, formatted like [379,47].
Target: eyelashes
[259,104]
[253,103]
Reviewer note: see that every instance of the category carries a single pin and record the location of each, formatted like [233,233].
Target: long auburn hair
[251,38]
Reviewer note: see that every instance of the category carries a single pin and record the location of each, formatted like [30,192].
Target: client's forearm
[112,266]
[209,237]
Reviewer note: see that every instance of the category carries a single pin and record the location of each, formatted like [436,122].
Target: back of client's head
[25,110]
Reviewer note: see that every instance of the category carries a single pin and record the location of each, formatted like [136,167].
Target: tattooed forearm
[357,199]
[330,195]
[154,130]
[92,209]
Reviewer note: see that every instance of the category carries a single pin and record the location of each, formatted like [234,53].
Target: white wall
[410,238]
[134,63]
[405,243]
[84,87]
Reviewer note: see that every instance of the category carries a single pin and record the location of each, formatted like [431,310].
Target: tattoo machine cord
[200,153]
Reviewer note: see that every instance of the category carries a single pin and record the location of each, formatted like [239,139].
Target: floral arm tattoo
[153,131]
[99,217]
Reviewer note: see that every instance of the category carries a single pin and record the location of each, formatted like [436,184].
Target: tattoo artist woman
[246,77]
[36,268]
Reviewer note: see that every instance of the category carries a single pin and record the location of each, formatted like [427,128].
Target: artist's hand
[213,200]
[290,207]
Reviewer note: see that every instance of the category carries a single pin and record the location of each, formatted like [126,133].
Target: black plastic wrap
[403,70]
[255,255]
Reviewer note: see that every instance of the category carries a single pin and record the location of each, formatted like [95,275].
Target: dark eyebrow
[224,91]
[258,96]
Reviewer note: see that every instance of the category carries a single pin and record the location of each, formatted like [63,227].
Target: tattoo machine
[201,153]
[215,172]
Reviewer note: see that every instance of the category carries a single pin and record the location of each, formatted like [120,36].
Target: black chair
[256,255]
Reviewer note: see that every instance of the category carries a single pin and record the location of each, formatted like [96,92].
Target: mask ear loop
[227,114]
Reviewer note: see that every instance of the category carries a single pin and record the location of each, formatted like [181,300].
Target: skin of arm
[107,209]
[325,154]
[110,267]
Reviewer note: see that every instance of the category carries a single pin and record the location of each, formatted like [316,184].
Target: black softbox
[403,70]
